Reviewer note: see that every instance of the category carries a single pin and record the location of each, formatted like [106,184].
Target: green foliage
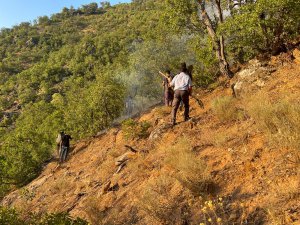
[60,219]
[184,19]
[73,73]
[134,129]
[90,9]
[12,217]
[264,27]
[182,15]
[9,217]
[96,107]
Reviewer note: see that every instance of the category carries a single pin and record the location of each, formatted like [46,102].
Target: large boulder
[251,78]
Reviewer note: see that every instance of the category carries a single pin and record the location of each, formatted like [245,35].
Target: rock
[251,78]
[255,63]
[123,158]
[106,187]
[121,161]
[246,73]
[296,54]
[120,167]
[260,83]
[237,88]
[158,131]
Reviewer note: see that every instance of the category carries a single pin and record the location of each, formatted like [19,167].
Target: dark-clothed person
[65,146]
[190,69]
[182,84]
[168,91]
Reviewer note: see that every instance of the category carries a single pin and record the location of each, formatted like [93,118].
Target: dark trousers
[178,97]
[63,154]
[169,95]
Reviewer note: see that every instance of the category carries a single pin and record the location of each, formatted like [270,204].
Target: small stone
[296,54]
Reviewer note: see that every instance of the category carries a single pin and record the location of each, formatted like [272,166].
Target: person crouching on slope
[182,84]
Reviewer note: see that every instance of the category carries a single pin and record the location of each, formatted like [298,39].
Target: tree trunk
[217,42]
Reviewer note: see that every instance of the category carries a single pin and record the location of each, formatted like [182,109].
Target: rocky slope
[245,179]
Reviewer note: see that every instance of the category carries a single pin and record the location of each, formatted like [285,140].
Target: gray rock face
[251,78]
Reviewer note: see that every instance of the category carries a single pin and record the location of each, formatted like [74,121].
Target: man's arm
[172,83]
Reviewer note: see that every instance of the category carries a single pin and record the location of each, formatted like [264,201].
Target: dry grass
[107,169]
[190,171]
[225,108]
[140,167]
[61,185]
[156,200]
[276,217]
[162,111]
[288,190]
[279,120]
[93,211]
[220,139]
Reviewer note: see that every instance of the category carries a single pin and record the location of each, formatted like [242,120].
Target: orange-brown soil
[260,180]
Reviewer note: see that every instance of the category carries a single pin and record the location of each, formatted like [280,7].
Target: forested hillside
[74,70]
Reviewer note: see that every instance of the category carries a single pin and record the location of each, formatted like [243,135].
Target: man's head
[62,132]
[183,67]
[168,72]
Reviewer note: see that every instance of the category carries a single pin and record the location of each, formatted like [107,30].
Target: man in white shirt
[182,84]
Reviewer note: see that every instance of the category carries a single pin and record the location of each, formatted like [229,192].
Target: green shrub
[12,217]
[60,219]
[263,27]
[133,129]
[9,217]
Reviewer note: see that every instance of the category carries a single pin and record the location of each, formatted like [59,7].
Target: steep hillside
[213,169]
[77,69]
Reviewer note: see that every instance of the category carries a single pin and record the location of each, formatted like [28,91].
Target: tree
[105,4]
[210,17]
[264,27]
[43,20]
[90,9]
[65,12]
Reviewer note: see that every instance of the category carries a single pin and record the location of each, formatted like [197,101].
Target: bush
[9,217]
[191,172]
[95,107]
[134,129]
[60,219]
[265,26]
[12,217]
[225,108]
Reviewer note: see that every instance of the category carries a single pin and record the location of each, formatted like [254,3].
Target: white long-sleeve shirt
[181,82]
